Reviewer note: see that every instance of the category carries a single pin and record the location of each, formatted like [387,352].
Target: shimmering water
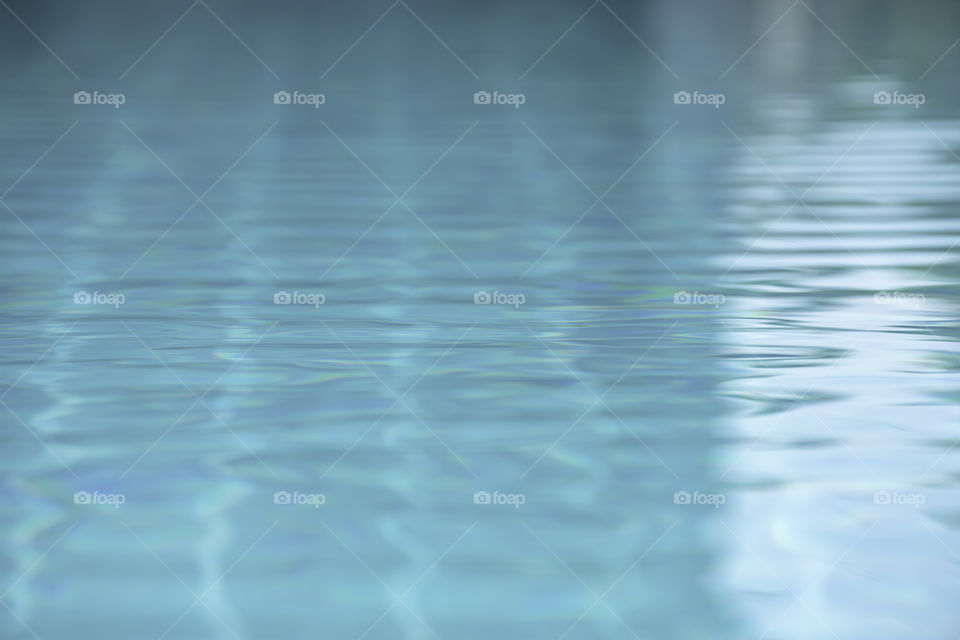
[749,308]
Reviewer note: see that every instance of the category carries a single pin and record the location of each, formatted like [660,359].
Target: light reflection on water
[798,398]
[839,330]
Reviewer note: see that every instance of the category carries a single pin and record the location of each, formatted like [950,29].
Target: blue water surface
[667,350]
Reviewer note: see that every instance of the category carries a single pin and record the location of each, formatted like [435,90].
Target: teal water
[753,307]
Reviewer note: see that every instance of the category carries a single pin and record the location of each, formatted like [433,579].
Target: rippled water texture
[663,345]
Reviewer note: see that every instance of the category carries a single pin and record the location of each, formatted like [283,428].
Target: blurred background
[425,319]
